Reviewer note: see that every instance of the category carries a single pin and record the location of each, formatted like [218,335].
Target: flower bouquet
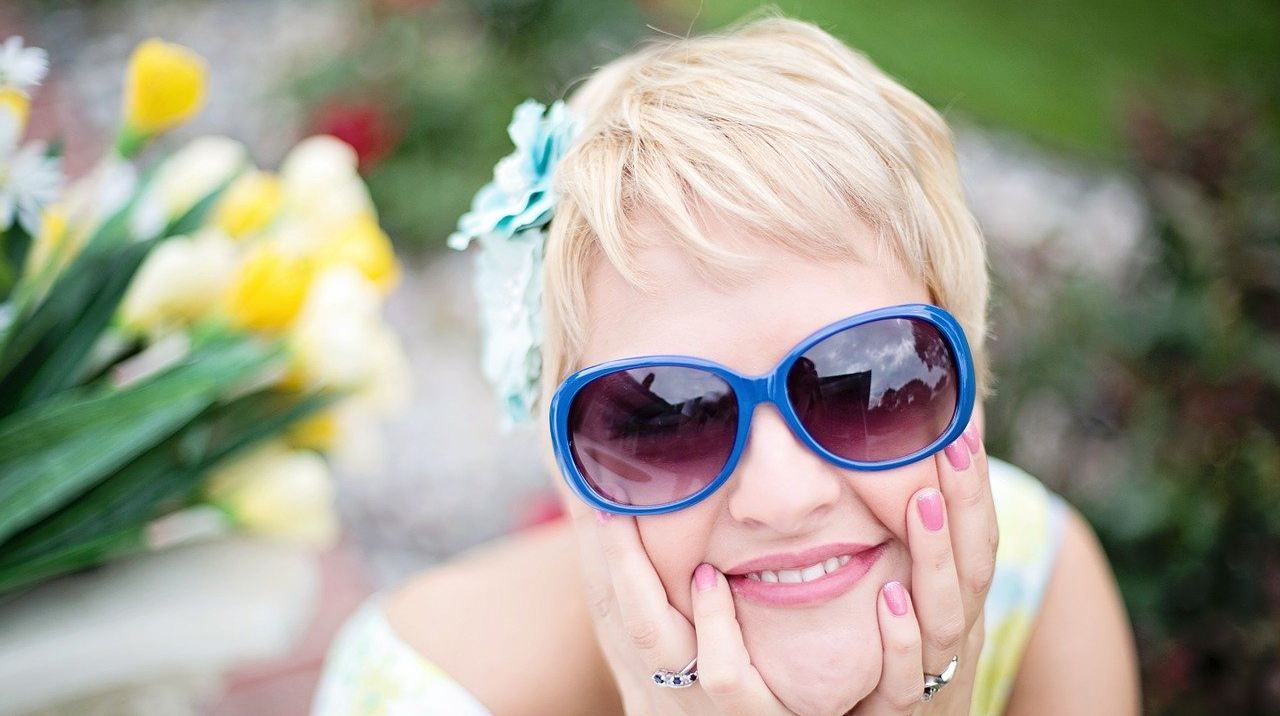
[181,346]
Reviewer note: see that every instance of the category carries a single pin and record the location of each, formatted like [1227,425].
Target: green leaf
[56,450]
[47,351]
[194,218]
[167,476]
[91,551]
[14,245]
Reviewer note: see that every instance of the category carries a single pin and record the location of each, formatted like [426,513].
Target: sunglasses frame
[771,387]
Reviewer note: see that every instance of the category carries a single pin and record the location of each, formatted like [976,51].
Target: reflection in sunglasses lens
[654,435]
[875,392]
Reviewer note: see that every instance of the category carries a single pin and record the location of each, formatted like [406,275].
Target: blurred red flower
[365,124]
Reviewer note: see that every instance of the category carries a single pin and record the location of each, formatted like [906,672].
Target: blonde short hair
[780,126]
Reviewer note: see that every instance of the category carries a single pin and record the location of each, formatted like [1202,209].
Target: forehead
[748,324]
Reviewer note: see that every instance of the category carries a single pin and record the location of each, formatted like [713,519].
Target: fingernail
[930,505]
[971,437]
[704,577]
[896,598]
[957,455]
[602,516]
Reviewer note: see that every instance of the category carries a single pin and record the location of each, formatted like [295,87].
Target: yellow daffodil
[249,205]
[361,243]
[269,288]
[164,87]
[317,432]
[279,492]
[51,240]
[17,103]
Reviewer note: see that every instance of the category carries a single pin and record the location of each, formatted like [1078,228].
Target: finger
[655,628]
[935,587]
[724,668]
[595,573]
[966,489]
[901,676]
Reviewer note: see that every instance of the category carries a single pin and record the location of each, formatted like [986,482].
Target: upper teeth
[808,574]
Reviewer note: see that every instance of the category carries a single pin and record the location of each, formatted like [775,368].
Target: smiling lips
[804,578]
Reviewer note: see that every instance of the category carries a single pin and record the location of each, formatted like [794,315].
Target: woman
[762,359]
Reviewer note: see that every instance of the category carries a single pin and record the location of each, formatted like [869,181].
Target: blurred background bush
[1124,159]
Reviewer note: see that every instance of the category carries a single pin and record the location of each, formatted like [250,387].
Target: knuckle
[942,560]
[612,550]
[903,647]
[946,636]
[974,495]
[720,684]
[643,633]
[600,599]
[979,581]
[904,698]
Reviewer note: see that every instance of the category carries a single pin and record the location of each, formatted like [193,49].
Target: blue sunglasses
[655,434]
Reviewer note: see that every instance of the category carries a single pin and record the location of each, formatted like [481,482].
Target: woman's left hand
[952,536]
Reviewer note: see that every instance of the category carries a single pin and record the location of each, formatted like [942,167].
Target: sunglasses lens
[652,436]
[876,392]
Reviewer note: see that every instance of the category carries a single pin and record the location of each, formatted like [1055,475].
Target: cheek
[888,495]
[676,544]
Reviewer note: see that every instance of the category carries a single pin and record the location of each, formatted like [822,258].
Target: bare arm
[508,622]
[1081,656]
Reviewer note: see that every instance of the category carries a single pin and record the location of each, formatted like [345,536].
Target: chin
[820,661]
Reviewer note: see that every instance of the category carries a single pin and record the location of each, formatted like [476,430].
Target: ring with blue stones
[681,679]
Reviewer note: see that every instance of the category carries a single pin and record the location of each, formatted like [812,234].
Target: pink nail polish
[896,598]
[602,516]
[704,577]
[972,439]
[957,455]
[930,505]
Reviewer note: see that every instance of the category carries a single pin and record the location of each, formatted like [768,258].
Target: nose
[780,484]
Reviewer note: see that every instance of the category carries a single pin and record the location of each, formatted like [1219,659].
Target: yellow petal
[50,240]
[317,432]
[249,204]
[363,244]
[164,87]
[17,103]
[269,288]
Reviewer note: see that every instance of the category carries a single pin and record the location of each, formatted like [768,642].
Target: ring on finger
[934,682]
[681,679]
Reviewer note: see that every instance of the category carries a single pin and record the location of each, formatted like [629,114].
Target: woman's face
[782,497]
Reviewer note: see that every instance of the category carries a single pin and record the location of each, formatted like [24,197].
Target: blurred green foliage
[1062,72]
[1165,393]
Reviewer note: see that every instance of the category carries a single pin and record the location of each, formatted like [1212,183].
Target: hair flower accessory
[508,217]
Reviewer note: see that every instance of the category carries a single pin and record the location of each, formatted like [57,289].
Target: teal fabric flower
[507,218]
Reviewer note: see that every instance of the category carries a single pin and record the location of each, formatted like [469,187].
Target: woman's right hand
[640,632]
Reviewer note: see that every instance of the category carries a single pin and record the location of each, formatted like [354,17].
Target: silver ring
[681,679]
[934,682]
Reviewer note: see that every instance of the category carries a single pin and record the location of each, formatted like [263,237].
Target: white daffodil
[189,175]
[22,67]
[181,280]
[29,180]
[333,334]
[275,491]
[320,183]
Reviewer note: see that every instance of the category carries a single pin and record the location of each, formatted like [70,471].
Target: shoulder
[1067,669]
[509,623]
